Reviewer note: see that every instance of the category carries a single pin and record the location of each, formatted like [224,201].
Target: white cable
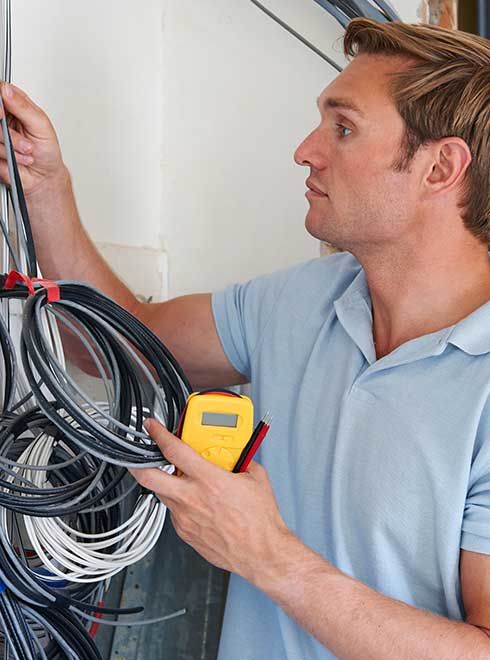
[83,557]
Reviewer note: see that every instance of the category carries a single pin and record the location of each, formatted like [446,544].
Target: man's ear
[450,159]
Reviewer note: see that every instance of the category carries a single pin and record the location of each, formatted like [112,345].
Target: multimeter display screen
[219,419]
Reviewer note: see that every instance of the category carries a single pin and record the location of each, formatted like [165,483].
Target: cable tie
[14,276]
[53,290]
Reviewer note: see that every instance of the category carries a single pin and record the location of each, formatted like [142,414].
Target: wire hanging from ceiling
[343,11]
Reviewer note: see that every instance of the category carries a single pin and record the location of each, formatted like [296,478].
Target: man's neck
[420,294]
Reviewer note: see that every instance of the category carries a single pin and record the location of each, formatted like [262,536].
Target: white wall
[178,120]
[239,95]
[96,68]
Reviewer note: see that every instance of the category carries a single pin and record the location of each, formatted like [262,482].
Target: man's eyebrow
[336,102]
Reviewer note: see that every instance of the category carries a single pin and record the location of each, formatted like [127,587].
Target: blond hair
[445,93]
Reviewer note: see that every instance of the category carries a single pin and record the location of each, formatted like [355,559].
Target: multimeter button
[219,456]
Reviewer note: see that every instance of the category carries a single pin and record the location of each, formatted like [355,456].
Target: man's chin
[316,227]
[320,230]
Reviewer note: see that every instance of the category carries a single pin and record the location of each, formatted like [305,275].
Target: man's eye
[341,129]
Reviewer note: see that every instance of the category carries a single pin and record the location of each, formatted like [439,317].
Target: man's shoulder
[315,283]
[323,278]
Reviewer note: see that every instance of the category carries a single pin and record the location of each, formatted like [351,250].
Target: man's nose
[312,151]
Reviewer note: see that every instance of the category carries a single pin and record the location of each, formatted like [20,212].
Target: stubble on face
[367,177]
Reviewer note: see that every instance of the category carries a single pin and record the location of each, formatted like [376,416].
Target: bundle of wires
[43,473]
[34,632]
[71,516]
[126,354]
[343,11]
[85,519]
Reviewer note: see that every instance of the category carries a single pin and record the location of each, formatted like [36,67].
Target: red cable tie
[53,290]
[14,276]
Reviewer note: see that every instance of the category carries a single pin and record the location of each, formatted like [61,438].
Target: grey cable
[295,34]
[74,387]
[112,391]
[13,186]
[42,621]
[13,354]
[120,498]
[129,623]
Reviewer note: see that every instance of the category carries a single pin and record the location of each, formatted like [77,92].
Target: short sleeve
[476,520]
[243,311]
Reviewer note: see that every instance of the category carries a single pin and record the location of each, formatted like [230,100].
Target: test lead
[253,444]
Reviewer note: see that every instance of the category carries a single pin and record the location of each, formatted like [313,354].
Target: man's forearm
[64,249]
[354,621]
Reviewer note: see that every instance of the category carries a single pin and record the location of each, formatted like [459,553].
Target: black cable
[9,362]
[95,311]
[31,250]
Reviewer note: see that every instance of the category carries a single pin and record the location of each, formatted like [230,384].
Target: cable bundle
[49,480]
[90,557]
[33,632]
[71,516]
[45,474]
[115,340]
[345,10]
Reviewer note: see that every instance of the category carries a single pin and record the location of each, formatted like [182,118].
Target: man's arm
[233,521]
[357,623]
[65,251]
[475,587]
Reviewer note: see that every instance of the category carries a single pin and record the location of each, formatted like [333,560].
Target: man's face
[360,199]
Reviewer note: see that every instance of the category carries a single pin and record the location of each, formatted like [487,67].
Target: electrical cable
[116,440]
[296,34]
[343,11]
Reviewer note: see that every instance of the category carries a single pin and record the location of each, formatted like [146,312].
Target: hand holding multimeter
[218,424]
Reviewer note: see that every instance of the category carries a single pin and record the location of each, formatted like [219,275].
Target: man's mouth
[314,189]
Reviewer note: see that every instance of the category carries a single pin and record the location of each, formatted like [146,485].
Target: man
[375,364]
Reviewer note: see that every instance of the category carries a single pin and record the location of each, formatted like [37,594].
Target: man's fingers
[159,482]
[20,143]
[257,471]
[178,453]
[4,173]
[32,118]
[22,159]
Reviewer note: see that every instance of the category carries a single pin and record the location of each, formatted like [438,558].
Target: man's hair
[446,92]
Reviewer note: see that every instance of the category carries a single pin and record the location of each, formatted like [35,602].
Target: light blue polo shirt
[381,466]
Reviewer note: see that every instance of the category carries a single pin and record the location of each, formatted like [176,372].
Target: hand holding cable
[36,145]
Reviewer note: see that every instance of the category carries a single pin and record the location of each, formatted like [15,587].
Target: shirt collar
[354,311]
[472,334]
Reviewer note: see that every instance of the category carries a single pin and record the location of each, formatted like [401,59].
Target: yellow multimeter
[217,424]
